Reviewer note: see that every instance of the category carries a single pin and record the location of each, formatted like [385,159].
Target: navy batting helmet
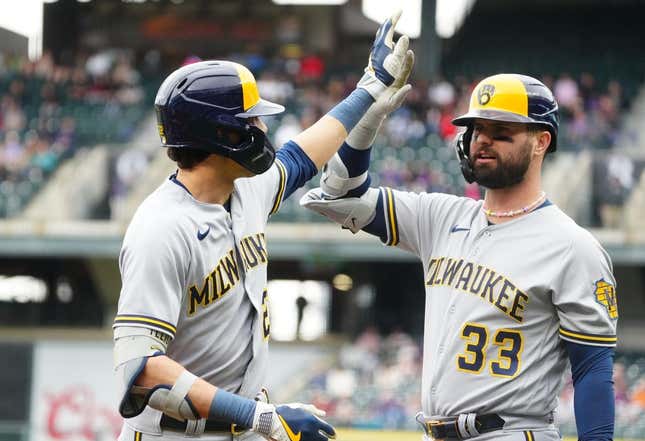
[197,103]
[508,98]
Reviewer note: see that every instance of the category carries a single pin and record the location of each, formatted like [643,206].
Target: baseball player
[192,328]
[514,288]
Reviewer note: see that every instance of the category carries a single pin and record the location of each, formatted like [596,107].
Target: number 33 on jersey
[500,298]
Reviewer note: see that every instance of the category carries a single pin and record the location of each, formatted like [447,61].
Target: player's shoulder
[568,232]
[160,213]
[449,202]
[434,198]
[434,203]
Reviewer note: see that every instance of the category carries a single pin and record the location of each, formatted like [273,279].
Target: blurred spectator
[618,184]
[620,383]
[442,93]
[638,394]
[566,91]
[312,67]
[13,118]
[128,168]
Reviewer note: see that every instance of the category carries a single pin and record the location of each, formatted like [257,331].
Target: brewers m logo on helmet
[161,133]
[606,296]
[485,93]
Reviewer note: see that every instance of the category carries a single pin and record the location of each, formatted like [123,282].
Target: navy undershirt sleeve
[300,168]
[592,369]
[377,226]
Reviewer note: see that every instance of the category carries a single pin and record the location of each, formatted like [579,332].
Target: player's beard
[506,171]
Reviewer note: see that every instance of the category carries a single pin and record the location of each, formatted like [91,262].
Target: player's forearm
[207,399]
[164,370]
[593,391]
[322,140]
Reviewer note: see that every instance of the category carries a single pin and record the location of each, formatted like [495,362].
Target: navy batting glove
[301,425]
[382,47]
[291,422]
[387,60]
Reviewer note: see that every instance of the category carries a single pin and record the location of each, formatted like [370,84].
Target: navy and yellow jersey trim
[528,435]
[145,321]
[137,436]
[390,217]
[281,186]
[589,339]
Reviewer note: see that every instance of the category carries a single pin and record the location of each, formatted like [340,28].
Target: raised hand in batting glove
[336,181]
[386,59]
[291,422]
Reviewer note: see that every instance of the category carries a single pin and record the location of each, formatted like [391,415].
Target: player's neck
[207,184]
[520,196]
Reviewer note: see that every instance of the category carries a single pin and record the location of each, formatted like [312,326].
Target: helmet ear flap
[259,153]
[462,148]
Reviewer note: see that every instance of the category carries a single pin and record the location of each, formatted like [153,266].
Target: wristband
[231,407]
[350,110]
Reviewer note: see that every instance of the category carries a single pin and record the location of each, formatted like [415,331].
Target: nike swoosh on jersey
[292,436]
[202,236]
[455,228]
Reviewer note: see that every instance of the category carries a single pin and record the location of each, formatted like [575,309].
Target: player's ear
[542,142]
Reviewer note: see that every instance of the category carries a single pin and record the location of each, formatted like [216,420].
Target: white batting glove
[386,59]
[291,422]
[352,214]
[363,134]
[335,181]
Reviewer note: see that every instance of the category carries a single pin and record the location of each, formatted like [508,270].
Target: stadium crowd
[376,384]
[590,112]
[49,110]
[414,148]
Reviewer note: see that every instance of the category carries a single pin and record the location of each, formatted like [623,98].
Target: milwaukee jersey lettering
[197,273]
[497,298]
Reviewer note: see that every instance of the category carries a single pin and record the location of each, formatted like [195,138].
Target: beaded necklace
[512,213]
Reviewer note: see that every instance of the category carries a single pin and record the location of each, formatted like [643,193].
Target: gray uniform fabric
[499,299]
[198,275]
[130,434]
[522,435]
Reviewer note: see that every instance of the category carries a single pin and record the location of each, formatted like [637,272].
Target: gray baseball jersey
[197,274]
[498,300]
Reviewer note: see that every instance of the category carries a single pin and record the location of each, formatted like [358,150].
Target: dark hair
[186,158]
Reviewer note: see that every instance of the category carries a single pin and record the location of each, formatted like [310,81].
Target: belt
[464,426]
[169,423]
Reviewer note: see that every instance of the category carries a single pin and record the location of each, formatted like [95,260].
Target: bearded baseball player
[192,329]
[514,288]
